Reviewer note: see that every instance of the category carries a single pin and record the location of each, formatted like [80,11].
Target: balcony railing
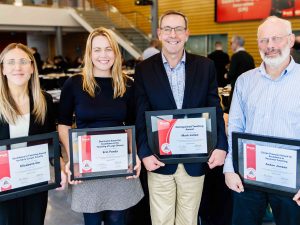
[121,20]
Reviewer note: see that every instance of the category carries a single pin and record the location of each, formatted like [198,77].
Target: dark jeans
[29,210]
[109,217]
[250,206]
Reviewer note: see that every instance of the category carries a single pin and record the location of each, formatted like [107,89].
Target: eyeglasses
[177,30]
[13,62]
[275,39]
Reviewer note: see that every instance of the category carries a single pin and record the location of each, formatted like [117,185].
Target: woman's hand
[63,176]
[63,182]
[69,173]
[137,168]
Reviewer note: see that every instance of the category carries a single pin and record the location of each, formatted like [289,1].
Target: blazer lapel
[4,127]
[32,125]
[189,78]
[161,73]
[4,131]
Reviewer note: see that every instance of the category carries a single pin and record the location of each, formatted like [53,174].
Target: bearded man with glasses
[266,102]
[175,79]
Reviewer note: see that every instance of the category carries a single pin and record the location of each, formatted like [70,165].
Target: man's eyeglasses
[13,62]
[275,39]
[177,30]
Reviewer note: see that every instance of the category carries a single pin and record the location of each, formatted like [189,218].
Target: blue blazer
[153,92]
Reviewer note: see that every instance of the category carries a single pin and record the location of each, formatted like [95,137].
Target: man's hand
[152,163]
[233,181]
[217,158]
[297,198]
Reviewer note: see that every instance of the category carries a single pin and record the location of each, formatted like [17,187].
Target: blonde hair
[119,79]
[8,108]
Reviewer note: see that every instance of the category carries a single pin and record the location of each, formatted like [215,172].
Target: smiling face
[173,42]
[17,67]
[103,56]
[274,43]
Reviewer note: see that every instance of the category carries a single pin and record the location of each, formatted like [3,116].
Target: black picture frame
[52,141]
[238,141]
[74,152]
[209,113]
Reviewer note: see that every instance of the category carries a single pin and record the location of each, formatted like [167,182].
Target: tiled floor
[59,211]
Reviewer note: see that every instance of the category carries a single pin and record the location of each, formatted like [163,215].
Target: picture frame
[97,153]
[29,165]
[182,135]
[267,163]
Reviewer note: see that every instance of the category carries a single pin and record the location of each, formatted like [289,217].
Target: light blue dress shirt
[176,78]
[264,106]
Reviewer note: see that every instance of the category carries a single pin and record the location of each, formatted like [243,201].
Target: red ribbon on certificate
[86,153]
[5,171]
[164,131]
[251,161]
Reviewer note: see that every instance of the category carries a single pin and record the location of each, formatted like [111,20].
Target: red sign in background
[237,10]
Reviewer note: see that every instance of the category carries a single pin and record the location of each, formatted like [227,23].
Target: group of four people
[104,97]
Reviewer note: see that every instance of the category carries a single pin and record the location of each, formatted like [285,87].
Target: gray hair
[239,40]
[273,19]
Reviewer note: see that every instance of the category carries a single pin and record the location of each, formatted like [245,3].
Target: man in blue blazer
[175,79]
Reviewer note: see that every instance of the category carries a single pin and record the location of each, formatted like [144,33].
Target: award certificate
[24,166]
[269,164]
[102,152]
[182,136]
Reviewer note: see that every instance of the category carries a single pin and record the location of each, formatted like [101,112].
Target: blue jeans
[250,206]
[109,218]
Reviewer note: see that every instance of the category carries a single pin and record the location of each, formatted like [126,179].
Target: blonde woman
[24,110]
[101,97]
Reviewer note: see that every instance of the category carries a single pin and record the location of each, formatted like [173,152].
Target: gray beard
[276,62]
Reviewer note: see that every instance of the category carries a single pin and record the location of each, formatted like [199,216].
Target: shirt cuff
[228,165]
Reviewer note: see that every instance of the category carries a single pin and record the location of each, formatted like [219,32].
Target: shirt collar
[287,70]
[240,49]
[182,61]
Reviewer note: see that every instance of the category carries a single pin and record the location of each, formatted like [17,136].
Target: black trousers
[216,202]
[29,210]
[250,206]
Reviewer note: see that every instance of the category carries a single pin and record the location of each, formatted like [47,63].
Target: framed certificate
[102,152]
[182,136]
[267,163]
[29,165]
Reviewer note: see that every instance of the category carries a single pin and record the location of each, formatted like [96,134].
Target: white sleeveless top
[19,129]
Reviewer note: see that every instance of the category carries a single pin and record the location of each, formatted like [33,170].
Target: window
[205,44]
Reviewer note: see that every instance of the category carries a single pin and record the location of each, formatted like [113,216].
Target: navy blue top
[101,111]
